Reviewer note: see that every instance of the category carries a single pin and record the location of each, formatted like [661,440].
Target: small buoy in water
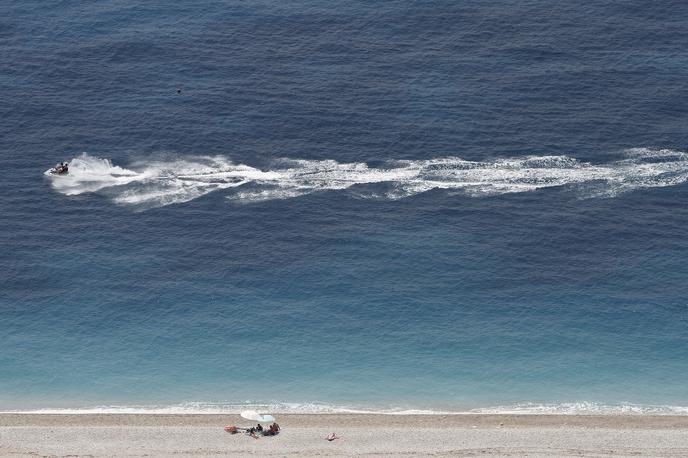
[179,90]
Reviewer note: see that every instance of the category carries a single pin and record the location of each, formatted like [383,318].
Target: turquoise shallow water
[367,207]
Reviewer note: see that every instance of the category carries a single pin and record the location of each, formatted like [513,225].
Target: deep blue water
[445,205]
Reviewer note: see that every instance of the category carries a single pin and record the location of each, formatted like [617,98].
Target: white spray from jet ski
[157,183]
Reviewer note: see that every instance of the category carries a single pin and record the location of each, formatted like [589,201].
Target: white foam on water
[159,183]
[91,174]
[209,408]
[584,408]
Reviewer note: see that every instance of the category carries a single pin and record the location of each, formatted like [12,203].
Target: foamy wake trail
[158,183]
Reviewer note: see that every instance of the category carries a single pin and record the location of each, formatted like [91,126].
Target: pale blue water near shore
[398,206]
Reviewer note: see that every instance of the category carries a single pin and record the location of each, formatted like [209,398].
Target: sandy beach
[360,435]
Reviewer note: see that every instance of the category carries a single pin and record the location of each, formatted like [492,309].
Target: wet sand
[360,435]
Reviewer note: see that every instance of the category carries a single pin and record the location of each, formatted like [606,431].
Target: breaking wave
[159,183]
[584,408]
[215,408]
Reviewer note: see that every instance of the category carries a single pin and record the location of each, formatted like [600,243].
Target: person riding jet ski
[60,168]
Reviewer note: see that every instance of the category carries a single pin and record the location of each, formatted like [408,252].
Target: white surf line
[210,408]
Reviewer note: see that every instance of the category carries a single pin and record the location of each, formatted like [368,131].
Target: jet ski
[60,169]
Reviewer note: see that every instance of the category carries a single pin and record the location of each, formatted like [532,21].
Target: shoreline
[200,408]
[441,421]
[155,435]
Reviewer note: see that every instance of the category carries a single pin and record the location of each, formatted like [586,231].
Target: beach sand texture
[360,435]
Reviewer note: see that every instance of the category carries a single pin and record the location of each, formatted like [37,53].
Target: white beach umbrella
[255,416]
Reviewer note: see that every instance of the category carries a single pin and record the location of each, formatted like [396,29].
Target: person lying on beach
[252,432]
[332,437]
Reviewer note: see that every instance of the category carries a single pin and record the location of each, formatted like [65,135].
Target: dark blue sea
[338,206]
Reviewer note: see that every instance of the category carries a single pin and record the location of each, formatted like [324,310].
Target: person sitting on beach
[272,431]
[252,432]
[259,427]
[332,437]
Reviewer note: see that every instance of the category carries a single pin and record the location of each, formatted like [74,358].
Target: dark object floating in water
[60,169]
[179,90]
